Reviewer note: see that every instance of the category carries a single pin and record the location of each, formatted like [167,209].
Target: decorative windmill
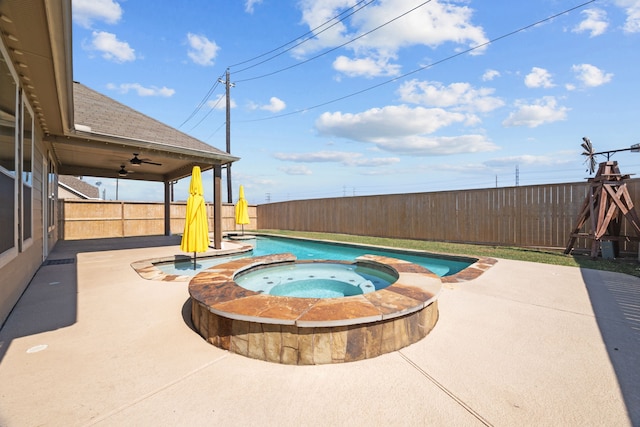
[607,202]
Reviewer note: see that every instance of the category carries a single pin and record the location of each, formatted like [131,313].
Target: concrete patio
[92,343]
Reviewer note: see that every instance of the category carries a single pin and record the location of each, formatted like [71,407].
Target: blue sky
[337,98]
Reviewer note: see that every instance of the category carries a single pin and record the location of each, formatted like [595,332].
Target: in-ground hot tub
[308,331]
[317,279]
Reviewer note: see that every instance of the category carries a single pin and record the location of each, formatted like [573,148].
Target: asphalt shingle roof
[107,116]
[79,186]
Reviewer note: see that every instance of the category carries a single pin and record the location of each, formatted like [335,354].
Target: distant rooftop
[79,187]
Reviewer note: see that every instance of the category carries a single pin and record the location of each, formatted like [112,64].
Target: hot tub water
[315,280]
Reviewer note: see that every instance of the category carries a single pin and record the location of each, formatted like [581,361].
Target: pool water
[307,249]
[315,280]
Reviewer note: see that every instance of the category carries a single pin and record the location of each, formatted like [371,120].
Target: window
[8,150]
[16,163]
[27,173]
[52,185]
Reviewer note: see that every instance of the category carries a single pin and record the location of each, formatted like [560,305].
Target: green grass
[624,265]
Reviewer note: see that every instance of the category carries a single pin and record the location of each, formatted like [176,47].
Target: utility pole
[517,176]
[228,86]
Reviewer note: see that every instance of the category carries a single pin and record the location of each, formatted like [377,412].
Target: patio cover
[89,133]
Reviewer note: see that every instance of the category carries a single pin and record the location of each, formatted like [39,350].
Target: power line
[213,107]
[201,104]
[336,47]
[215,131]
[310,32]
[433,64]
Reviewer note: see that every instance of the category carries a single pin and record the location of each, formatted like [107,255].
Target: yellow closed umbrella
[242,210]
[196,228]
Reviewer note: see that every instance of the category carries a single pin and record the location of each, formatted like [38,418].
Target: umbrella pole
[243,229]
[194,260]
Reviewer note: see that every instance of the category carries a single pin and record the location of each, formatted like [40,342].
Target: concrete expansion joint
[445,390]
[156,391]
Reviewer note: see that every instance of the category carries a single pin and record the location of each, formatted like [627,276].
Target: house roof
[106,136]
[79,187]
[90,134]
[98,114]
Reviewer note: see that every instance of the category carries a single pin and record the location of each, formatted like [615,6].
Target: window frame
[9,254]
[24,243]
[52,194]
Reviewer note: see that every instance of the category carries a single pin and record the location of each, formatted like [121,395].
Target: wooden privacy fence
[91,219]
[528,216]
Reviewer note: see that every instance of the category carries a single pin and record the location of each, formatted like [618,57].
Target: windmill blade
[589,153]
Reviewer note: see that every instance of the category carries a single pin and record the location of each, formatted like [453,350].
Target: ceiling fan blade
[150,163]
[137,161]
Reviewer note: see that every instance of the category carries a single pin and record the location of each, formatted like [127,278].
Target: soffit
[42,62]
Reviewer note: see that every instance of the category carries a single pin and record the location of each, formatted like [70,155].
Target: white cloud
[112,49]
[202,50]
[249,5]
[632,9]
[345,158]
[418,145]
[459,96]
[401,129]
[590,75]
[375,162]
[545,110]
[220,103]
[296,170]
[87,11]
[317,157]
[595,22]
[538,77]
[527,160]
[141,90]
[490,75]
[430,25]
[315,14]
[366,67]
[388,122]
[275,105]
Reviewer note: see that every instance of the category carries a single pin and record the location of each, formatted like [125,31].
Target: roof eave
[219,158]
[59,14]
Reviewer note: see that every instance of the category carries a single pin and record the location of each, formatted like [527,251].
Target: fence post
[122,217]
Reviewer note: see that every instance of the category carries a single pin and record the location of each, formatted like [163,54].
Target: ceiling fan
[136,161]
[123,171]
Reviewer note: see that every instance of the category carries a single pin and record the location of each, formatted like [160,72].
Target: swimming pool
[312,249]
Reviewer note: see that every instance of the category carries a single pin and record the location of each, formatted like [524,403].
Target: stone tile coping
[215,288]
[148,270]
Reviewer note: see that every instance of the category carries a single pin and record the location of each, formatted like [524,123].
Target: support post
[167,208]
[217,206]
[228,86]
